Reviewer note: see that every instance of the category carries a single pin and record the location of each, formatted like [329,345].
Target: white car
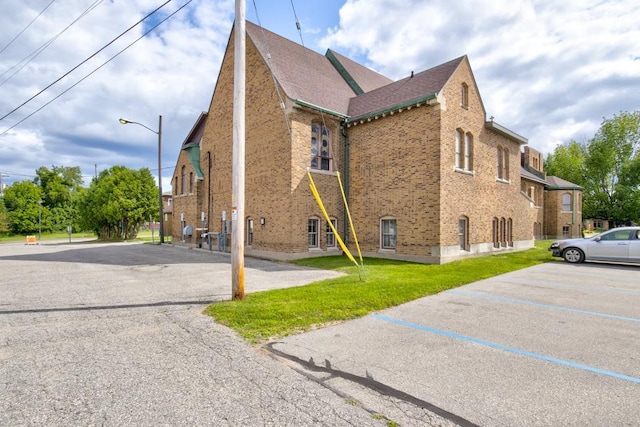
[616,245]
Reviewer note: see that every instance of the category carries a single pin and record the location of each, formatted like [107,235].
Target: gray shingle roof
[560,184]
[335,82]
[422,84]
[302,73]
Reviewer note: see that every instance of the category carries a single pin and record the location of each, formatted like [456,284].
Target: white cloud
[171,72]
[548,70]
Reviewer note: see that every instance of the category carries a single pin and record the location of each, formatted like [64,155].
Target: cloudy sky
[548,70]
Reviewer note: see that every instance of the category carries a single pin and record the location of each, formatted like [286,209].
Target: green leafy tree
[568,162]
[607,167]
[4,219]
[118,202]
[60,186]
[612,189]
[26,214]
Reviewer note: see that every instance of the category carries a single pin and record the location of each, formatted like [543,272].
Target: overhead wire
[33,55]
[25,28]
[102,65]
[87,59]
[273,77]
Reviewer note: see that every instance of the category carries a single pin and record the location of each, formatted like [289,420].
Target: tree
[607,167]
[567,162]
[60,186]
[118,202]
[26,216]
[4,219]
[612,188]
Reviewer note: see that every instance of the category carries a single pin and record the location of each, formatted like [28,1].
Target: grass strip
[271,314]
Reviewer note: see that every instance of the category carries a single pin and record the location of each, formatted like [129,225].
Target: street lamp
[159,133]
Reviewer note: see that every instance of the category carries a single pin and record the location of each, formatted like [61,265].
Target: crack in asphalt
[369,383]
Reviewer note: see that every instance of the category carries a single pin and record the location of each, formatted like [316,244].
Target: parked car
[616,245]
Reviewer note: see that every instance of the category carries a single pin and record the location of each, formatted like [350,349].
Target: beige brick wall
[188,204]
[401,166]
[556,218]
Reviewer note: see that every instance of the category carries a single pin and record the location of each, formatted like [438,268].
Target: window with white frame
[313,233]
[468,151]
[502,164]
[566,202]
[249,231]
[464,150]
[321,151]
[463,233]
[331,238]
[388,233]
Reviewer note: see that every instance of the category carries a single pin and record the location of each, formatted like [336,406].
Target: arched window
[468,151]
[183,189]
[464,101]
[459,148]
[566,202]
[495,232]
[502,163]
[321,150]
[509,232]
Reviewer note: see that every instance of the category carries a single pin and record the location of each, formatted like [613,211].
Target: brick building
[427,177]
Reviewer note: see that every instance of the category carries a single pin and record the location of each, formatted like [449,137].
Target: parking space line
[512,280]
[538,304]
[508,349]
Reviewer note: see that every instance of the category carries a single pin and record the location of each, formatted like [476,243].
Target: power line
[103,64]
[86,60]
[25,28]
[33,55]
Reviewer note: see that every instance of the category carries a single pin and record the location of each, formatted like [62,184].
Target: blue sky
[550,71]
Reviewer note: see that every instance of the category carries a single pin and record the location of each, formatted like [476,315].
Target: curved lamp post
[159,133]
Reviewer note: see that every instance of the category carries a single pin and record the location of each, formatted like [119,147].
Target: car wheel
[573,255]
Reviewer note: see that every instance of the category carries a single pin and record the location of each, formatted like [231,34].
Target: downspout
[209,222]
[345,220]
[573,211]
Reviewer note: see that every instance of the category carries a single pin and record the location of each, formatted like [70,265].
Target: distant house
[428,178]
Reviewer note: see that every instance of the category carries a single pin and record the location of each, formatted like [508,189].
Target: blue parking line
[511,280]
[509,349]
[537,304]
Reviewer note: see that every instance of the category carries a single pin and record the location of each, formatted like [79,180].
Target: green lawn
[272,314]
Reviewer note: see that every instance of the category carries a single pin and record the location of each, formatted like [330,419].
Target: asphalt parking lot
[555,344]
[113,334]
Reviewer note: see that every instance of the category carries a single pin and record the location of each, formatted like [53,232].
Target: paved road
[556,344]
[113,334]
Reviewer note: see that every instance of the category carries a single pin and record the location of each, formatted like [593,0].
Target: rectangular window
[463,233]
[249,231]
[312,232]
[566,202]
[331,238]
[389,233]
[565,231]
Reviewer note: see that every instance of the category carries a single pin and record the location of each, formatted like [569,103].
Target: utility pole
[1,185]
[238,171]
